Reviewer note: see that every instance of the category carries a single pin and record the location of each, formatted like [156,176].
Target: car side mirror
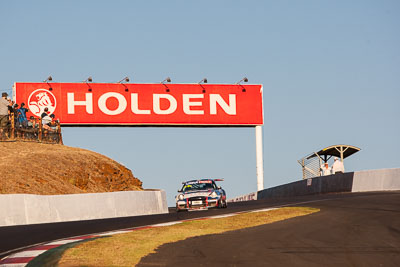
[179,191]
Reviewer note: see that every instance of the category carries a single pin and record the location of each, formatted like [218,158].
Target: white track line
[222,216]
[13,265]
[28,253]
[166,224]
[112,233]
[268,209]
[62,242]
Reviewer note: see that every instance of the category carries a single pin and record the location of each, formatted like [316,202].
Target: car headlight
[180,197]
[213,194]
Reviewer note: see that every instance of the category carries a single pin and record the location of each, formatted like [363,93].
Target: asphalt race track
[354,230]
[17,238]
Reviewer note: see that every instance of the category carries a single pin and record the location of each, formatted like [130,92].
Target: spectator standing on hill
[45,113]
[4,104]
[337,166]
[22,121]
[11,109]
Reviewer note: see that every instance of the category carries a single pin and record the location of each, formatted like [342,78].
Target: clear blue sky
[330,70]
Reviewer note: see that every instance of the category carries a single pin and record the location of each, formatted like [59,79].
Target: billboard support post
[259,158]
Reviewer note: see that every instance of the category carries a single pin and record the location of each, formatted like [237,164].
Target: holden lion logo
[41,99]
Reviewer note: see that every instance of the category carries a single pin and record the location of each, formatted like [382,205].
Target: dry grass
[128,249]
[46,169]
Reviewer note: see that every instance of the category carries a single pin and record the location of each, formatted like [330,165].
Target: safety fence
[32,130]
[311,166]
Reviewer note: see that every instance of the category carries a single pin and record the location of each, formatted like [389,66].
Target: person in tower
[325,170]
[337,166]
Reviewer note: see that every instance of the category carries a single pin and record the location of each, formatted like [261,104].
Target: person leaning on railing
[54,123]
[32,129]
[32,122]
[46,122]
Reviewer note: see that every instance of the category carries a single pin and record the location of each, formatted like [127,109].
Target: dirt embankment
[47,169]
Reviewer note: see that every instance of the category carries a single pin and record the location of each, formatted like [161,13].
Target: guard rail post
[12,135]
[60,141]
[40,130]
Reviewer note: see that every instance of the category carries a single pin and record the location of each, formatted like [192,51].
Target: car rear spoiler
[218,180]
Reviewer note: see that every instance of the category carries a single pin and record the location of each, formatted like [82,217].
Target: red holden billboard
[144,104]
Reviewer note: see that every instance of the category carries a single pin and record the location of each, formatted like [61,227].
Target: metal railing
[33,130]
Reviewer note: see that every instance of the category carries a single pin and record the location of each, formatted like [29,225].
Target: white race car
[200,194]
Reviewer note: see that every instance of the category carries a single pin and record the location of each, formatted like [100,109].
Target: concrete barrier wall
[20,209]
[318,185]
[361,181]
[376,180]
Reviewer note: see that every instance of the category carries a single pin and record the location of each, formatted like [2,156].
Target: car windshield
[197,186]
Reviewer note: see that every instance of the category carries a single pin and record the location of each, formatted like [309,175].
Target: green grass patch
[128,249]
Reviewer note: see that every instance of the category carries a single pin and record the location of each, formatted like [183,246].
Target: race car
[200,194]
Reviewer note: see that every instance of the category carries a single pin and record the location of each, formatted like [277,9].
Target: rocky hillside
[48,169]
